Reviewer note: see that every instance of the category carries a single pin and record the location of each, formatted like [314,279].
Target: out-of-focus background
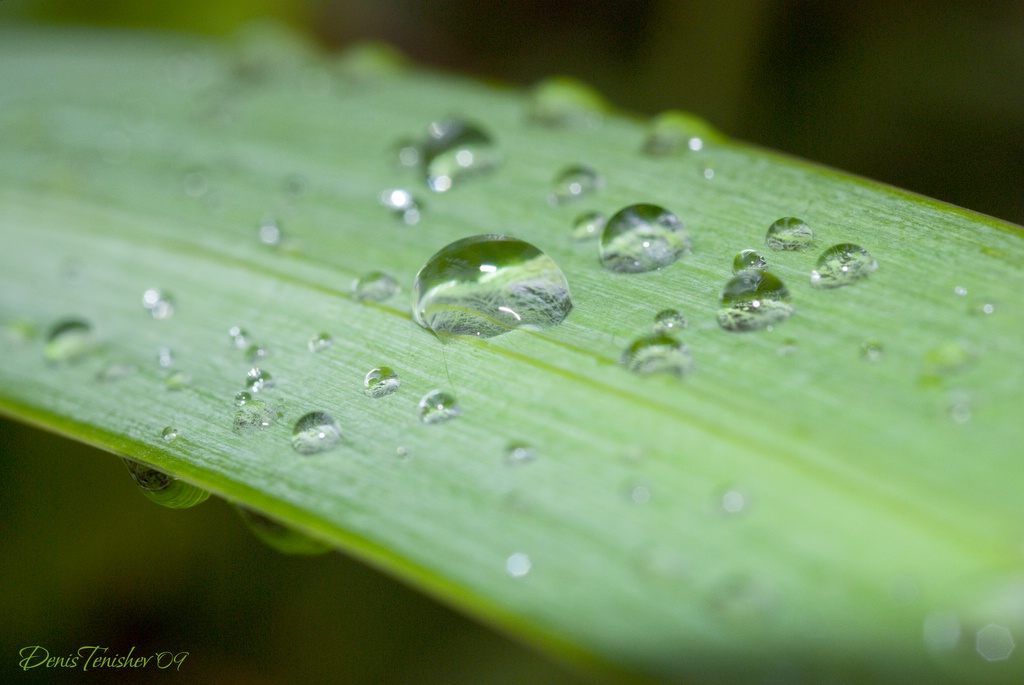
[928,96]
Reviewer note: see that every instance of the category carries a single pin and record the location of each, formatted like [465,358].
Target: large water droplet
[69,340]
[402,204]
[573,183]
[752,300]
[255,415]
[564,101]
[280,537]
[319,342]
[643,237]
[841,265]
[454,150]
[375,286]
[674,132]
[748,259]
[256,380]
[789,233]
[588,226]
[658,353]
[490,284]
[381,382]
[159,303]
[668,321]
[437,406]
[315,432]
[170,434]
[163,489]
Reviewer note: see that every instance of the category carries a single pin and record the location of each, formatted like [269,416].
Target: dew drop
[255,353]
[588,226]
[164,357]
[752,300]
[280,537]
[668,321]
[163,489]
[982,309]
[789,233]
[257,379]
[69,340]
[959,291]
[841,265]
[169,434]
[438,406]
[375,286]
[319,342]
[315,432]
[402,204]
[242,397]
[994,642]
[255,415]
[486,285]
[269,232]
[517,453]
[789,346]
[643,237]
[518,565]
[561,101]
[656,354]
[159,304]
[871,351]
[672,133]
[407,152]
[178,380]
[638,494]
[239,337]
[573,183]
[950,357]
[196,184]
[381,382]
[733,501]
[454,150]
[115,372]
[748,259]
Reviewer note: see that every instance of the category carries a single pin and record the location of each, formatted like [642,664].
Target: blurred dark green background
[928,96]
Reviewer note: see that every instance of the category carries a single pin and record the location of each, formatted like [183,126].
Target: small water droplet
[196,184]
[841,265]
[748,259]
[381,382]
[960,291]
[454,150]
[402,204]
[159,304]
[242,397]
[407,152]
[164,357]
[375,286]
[643,237]
[257,380]
[639,494]
[871,351]
[319,342]
[169,434]
[239,337]
[486,285]
[733,501]
[437,406]
[982,309]
[658,353]
[518,565]
[69,340]
[163,489]
[789,346]
[255,353]
[560,101]
[269,232]
[255,415]
[519,453]
[116,371]
[315,432]
[994,642]
[178,380]
[668,321]
[709,172]
[959,403]
[282,538]
[672,133]
[588,226]
[752,300]
[402,452]
[573,183]
[789,233]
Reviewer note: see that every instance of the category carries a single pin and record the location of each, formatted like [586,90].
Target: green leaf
[837,498]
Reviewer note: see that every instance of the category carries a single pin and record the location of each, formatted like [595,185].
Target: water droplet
[573,183]
[841,265]
[381,382]
[490,284]
[994,642]
[960,291]
[407,151]
[563,101]
[315,432]
[748,259]
[280,537]
[257,379]
[69,340]
[159,304]
[402,204]
[733,501]
[196,184]
[164,357]
[178,380]
[163,489]
[454,150]
[255,415]
[982,309]
[320,342]
[242,397]
[789,233]
[518,565]
[269,232]
[668,321]
[438,406]
[950,357]
[588,226]
[255,353]
[638,494]
[239,337]
[169,434]
[519,453]
[871,351]
[674,132]
[115,372]
[789,346]
[658,353]
[643,237]
[752,300]
[959,403]
[375,286]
